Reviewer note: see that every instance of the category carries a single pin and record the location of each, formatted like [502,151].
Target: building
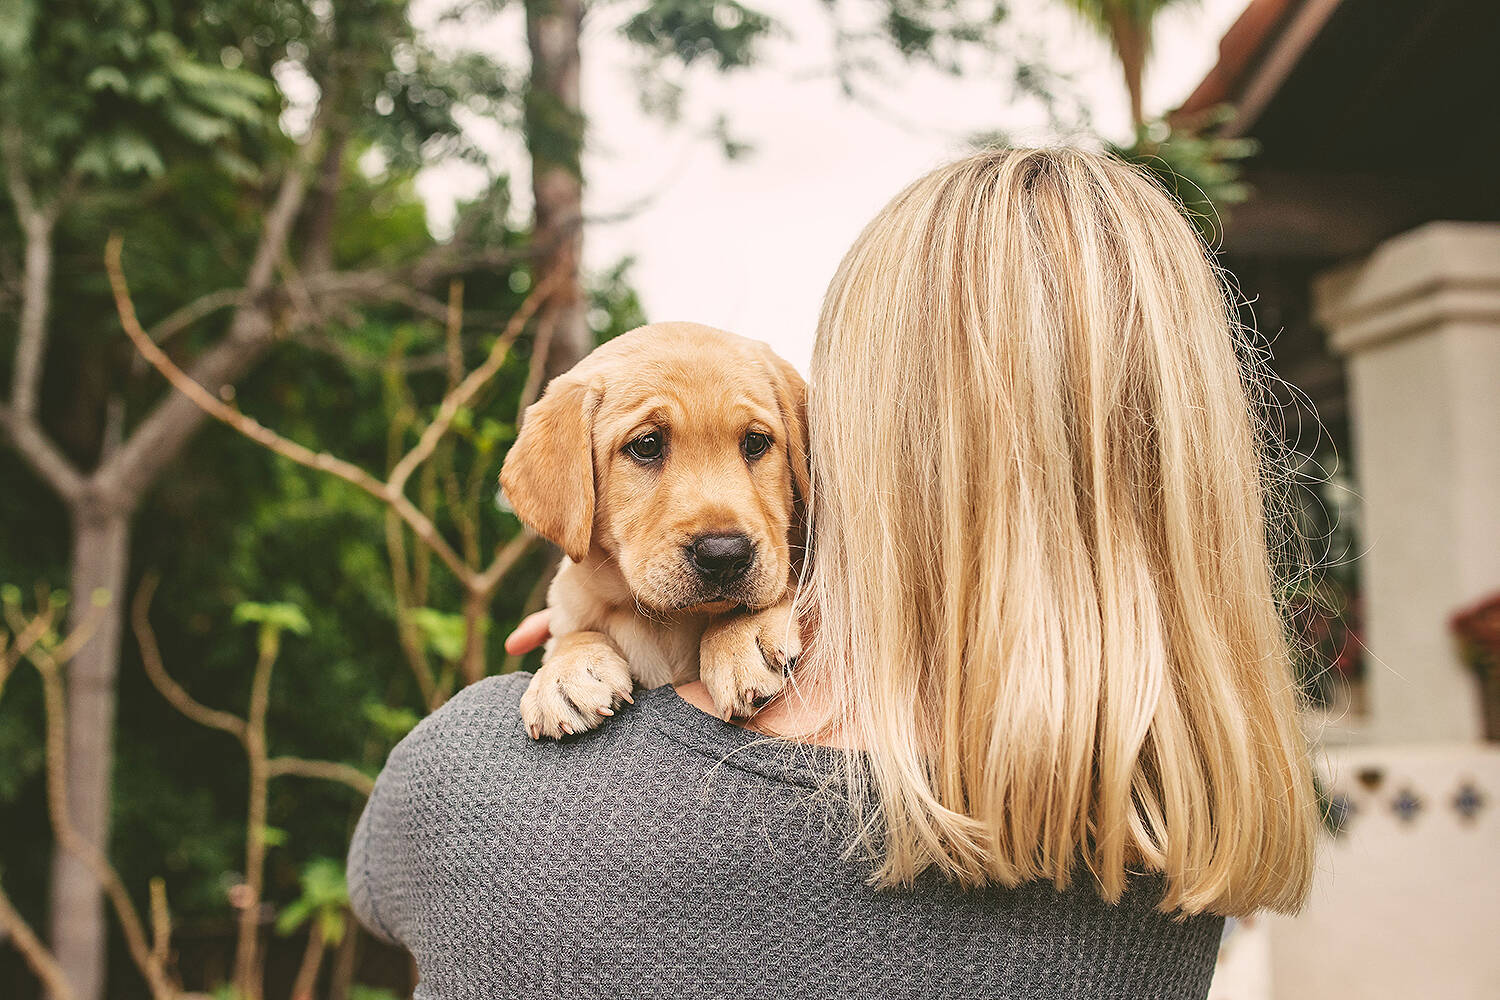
[1370,250]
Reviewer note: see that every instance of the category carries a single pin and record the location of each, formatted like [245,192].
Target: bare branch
[407,632]
[536,371]
[14,649]
[16,182]
[163,682]
[41,961]
[199,397]
[42,455]
[202,306]
[211,404]
[453,328]
[505,558]
[432,361]
[312,960]
[161,923]
[157,440]
[361,286]
[36,300]
[469,387]
[323,770]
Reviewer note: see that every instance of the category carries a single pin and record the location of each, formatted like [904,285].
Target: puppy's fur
[633,601]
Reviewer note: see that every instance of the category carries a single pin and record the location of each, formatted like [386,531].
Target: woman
[1045,732]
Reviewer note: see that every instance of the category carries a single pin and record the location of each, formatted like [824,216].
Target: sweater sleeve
[377,854]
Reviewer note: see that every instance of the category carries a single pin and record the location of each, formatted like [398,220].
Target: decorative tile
[1406,805]
[1468,801]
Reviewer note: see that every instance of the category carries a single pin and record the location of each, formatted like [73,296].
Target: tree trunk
[1131,41]
[101,552]
[554,137]
[318,258]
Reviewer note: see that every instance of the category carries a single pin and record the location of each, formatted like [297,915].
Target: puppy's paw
[580,685]
[744,658]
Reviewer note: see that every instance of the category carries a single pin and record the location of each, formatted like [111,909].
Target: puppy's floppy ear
[791,399]
[548,475]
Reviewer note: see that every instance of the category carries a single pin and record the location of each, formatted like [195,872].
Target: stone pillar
[1418,323]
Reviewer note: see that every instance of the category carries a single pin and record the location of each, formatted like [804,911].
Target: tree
[100,104]
[1126,25]
[85,104]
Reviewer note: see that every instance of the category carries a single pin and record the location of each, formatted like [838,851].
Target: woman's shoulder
[476,740]
[483,719]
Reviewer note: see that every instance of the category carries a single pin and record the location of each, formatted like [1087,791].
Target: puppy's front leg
[583,679]
[744,657]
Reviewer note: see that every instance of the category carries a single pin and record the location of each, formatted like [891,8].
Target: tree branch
[163,682]
[392,492]
[42,455]
[469,387]
[204,305]
[159,438]
[31,330]
[41,961]
[194,394]
[13,649]
[323,770]
[505,558]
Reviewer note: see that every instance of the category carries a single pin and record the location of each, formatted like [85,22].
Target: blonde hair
[1040,566]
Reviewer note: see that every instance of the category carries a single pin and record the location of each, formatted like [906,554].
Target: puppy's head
[681,452]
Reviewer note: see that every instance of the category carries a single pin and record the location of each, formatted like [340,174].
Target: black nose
[721,558]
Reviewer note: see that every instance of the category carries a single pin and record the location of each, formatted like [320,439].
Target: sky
[750,244]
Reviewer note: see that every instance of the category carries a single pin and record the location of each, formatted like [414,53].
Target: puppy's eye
[647,447]
[755,444]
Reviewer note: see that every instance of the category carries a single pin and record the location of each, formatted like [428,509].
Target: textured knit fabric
[668,854]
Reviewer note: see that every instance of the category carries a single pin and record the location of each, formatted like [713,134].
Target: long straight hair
[1040,565]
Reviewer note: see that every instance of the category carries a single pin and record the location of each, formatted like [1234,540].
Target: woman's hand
[534,630]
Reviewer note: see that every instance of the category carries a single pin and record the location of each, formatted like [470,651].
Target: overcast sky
[750,244]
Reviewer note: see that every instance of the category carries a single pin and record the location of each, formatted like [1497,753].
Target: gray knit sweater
[668,854]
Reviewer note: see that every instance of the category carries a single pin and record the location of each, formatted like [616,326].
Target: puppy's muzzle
[721,560]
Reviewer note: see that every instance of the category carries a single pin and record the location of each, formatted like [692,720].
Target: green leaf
[235,166]
[195,125]
[107,78]
[445,633]
[130,153]
[280,617]
[392,722]
[274,836]
[152,87]
[358,991]
[16,20]
[324,895]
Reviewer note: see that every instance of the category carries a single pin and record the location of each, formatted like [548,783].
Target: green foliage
[688,30]
[280,617]
[107,89]
[324,898]
[444,633]
[361,992]
[391,721]
[1202,171]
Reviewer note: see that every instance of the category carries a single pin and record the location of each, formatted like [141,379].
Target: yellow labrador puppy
[670,466]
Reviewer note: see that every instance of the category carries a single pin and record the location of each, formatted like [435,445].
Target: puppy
[670,466]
